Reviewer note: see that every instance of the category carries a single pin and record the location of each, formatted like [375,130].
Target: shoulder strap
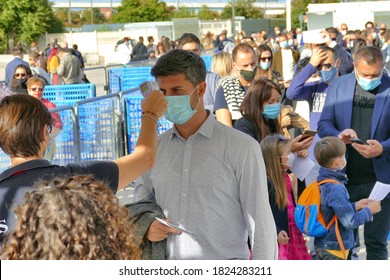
[328,181]
[334,219]
[337,231]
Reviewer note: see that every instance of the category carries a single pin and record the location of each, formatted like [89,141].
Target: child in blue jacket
[330,155]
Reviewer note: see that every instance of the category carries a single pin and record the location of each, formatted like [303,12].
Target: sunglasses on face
[36,89]
[264,59]
[23,75]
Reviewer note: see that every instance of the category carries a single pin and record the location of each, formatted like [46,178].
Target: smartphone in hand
[306,134]
[174,226]
[358,141]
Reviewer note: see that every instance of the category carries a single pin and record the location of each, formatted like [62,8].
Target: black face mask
[22,83]
[248,75]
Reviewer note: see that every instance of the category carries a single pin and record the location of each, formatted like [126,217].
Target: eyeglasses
[20,74]
[37,89]
[326,66]
[49,128]
[264,59]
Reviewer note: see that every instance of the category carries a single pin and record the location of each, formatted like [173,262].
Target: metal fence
[67,140]
[99,128]
[124,77]
[68,95]
[131,102]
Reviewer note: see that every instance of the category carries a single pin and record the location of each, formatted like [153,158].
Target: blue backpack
[308,215]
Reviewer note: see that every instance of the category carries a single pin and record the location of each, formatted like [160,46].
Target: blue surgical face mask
[368,84]
[283,44]
[265,65]
[179,108]
[328,75]
[271,111]
[290,42]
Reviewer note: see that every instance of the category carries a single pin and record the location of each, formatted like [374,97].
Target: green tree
[98,17]
[299,7]
[183,12]
[243,8]
[206,14]
[141,11]
[23,21]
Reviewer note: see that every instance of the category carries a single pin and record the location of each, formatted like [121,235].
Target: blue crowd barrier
[66,141]
[114,75]
[133,113]
[68,95]
[99,128]
[121,79]
[133,77]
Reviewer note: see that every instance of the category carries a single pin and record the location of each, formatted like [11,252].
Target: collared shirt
[214,185]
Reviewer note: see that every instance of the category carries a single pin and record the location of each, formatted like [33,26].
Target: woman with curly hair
[25,127]
[73,218]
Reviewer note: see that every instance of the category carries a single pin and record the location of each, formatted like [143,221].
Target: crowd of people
[223,172]
[57,64]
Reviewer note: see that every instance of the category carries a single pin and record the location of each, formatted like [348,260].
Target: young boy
[330,155]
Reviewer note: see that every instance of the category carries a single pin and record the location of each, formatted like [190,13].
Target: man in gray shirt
[70,67]
[208,178]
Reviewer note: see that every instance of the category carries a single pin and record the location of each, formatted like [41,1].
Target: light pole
[288,15]
[91,13]
[69,18]
[233,16]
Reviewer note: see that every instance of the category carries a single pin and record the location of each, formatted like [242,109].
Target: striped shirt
[230,95]
[214,185]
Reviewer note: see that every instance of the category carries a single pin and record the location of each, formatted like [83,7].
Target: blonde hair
[35,80]
[222,64]
[271,147]
[76,218]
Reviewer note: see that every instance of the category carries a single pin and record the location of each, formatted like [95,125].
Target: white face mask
[344,164]
[290,160]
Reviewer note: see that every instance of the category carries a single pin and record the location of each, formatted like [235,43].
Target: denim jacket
[335,200]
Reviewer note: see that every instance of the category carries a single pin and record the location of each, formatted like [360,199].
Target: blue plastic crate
[68,95]
[133,113]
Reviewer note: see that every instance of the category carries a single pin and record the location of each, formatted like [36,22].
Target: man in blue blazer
[358,106]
